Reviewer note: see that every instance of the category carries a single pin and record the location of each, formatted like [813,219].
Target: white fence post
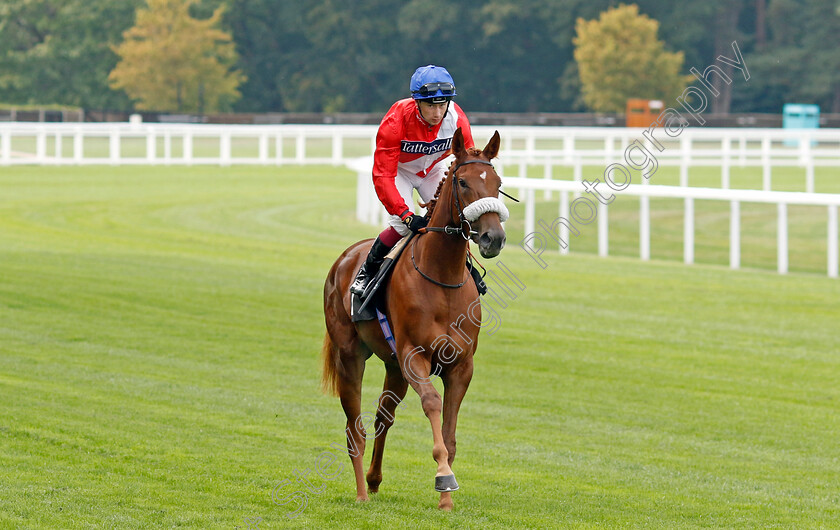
[41,145]
[765,164]
[782,239]
[724,168]
[547,176]
[278,150]
[685,159]
[59,141]
[151,146]
[337,151]
[78,146]
[644,227]
[263,149]
[563,230]
[530,211]
[114,147]
[688,231]
[5,146]
[603,230]
[806,160]
[167,147]
[832,241]
[188,148]
[300,148]
[734,235]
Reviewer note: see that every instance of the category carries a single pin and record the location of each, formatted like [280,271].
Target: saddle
[365,307]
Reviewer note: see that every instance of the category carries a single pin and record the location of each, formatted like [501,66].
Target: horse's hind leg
[350,393]
[392,394]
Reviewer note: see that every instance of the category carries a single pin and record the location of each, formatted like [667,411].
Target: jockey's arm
[385,160]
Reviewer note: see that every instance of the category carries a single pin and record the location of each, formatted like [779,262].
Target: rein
[426,276]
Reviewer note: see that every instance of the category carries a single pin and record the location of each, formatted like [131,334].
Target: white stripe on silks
[480,207]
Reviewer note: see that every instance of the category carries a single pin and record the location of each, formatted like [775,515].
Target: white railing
[369,210]
[574,147]
[693,147]
[689,194]
[181,144]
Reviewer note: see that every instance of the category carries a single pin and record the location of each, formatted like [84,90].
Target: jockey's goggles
[431,89]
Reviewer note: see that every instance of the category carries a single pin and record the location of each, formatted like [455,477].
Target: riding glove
[415,222]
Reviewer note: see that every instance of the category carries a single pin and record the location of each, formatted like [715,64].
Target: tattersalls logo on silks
[426,148]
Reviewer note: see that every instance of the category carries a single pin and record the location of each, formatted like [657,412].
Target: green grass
[159,337]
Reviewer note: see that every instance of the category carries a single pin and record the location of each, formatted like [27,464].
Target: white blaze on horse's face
[483,175]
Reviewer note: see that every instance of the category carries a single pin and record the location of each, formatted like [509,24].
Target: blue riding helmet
[432,83]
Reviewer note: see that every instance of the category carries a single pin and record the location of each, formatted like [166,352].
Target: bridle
[464,215]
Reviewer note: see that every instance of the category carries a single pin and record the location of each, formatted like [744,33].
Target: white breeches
[426,188]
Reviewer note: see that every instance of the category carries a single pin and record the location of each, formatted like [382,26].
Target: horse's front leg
[391,397]
[416,368]
[455,384]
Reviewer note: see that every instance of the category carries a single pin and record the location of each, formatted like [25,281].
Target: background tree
[59,51]
[620,57]
[272,45]
[799,62]
[326,55]
[172,61]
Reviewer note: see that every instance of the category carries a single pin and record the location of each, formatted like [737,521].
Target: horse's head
[475,186]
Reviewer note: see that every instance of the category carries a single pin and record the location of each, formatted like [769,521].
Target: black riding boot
[370,267]
[479,281]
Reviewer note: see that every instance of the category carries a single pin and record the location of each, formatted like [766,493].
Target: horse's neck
[445,254]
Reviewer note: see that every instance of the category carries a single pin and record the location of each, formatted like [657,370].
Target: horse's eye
[462,182]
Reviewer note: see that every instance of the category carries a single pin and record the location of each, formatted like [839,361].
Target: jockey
[415,136]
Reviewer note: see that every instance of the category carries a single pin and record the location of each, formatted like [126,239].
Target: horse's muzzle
[491,242]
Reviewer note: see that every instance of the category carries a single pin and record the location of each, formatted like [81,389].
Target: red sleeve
[464,124]
[385,159]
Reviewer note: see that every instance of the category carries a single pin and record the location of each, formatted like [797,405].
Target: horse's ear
[458,148]
[491,150]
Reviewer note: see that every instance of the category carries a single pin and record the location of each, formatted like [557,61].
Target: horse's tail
[329,374]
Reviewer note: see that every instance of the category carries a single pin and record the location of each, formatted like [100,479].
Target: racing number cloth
[407,144]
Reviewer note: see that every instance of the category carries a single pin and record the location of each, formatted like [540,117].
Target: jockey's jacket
[407,144]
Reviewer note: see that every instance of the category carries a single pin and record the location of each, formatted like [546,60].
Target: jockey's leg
[383,243]
[476,275]
[386,240]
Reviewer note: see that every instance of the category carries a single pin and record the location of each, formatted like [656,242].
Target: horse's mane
[430,206]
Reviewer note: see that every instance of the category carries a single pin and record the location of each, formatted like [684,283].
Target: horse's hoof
[445,505]
[446,483]
[373,483]
[362,498]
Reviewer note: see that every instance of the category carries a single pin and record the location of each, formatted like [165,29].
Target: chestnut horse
[433,307]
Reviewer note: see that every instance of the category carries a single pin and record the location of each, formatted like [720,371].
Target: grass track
[159,330]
